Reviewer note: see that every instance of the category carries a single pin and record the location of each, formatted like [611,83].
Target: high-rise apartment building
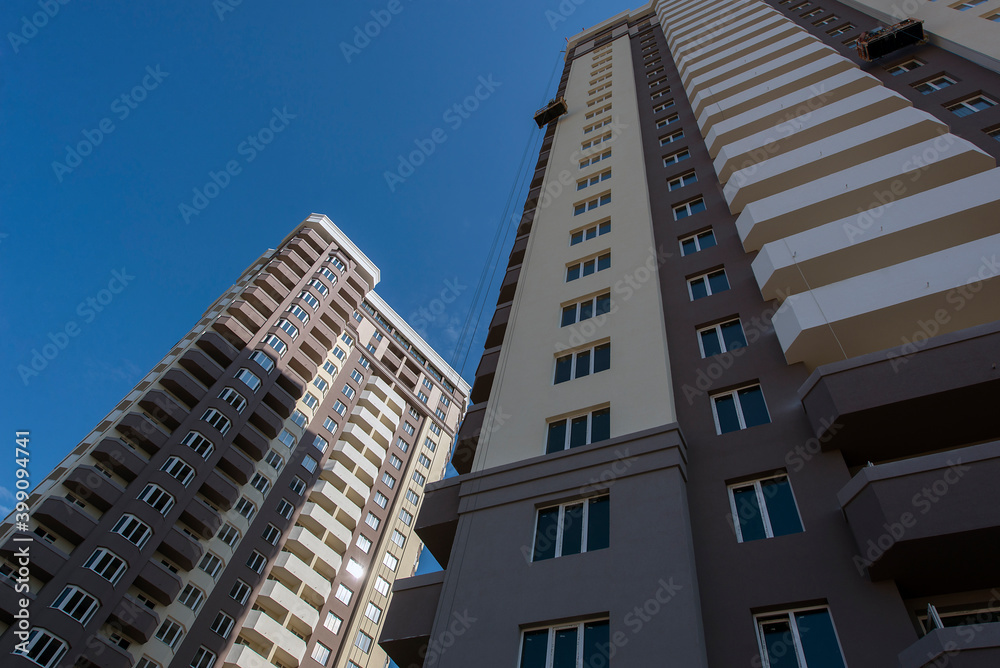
[250,503]
[736,406]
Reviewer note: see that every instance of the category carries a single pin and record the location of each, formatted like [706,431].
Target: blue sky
[116,115]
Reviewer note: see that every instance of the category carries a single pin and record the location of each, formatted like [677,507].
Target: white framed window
[256,562]
[340,408]
[274,460]
[357,376]
[971,105]
[211,563]
[223,624]
[409,428]
[739,409]
[310,401]
[659,93]
[260,483]
[262,360]
[298,312]
[423,397]
[321,385]
[654,84]
[309,299]
[373,521]
[326,273]
[197,442]
[586,234]
[572,528]
[215,418]
[146,662]
[967,5]
[365,362]
[720,338]
[589,308]
[389,481]
[329,368]
[203,658]
[697,242]
[337,262]
[240,591]
[349,391]
[285,509]
[192,597]
[355,568]
[395,462]
[170,632]
[579,430]
[245,507]
[286,438]
[363,641]
[299,418]
[593,180]
[676,157]
[672,118]
[76,603]
[799,639]
[764,508]
[364,543]
[178,469]
[424,461]
[905,66]
[271,534]
[933,85]
[578,645]
[321,653]
[319,287]
[234,399]
[275,344]
[590,205]
[373,612]
[419,478]
[593,160]
[347,338]
[309,464]
[596,126]
[339,353]
[582,363]
[653,73]
[405,516]
[382,585]
[430,444]
[344,594]
[390,561]
[671,138]
[381,499]
[826,20]
[43,647]
[412,497]
[320,443]
[333,622]
[588,267]
[249,378]
[682,180]
[158,498]
[228,534]
[398,538]
[708,284]
[840,30]
[107,564]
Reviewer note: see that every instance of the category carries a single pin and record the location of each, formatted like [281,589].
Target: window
[412,497]
[179,469]
[588,267]
[398,538]
[299,418]
[333,622]
[579,430]
[589,233]
[674,158]
[347,338]
[739,409]
[245,507]
[419,478]
[339,407]
[444,400]
[298,312]
[344,595]
[146,662]
[408,428]
[198,443]
[75,501]
[934,84]
[381,499]
[329,368]
[572,528]
[382,585]
[107,564]
[310,401]
[349,391]
[309,299]
[429,444]
[260,483]
[721,338]
[339,353]
[321,385]
[285,509]
[309,464]
[590,205]
[389,481]
[799,639]
[264,361]
[240,591]
[211,563]
[847,27]
[994,132]
[364,543]
[356,376]
[276,344]
[424,461]
[373,612]
[271,534]
[328,275]
[213,417]
[587,162]
[596,126]
[365,362]
[967,5]
[593,180]
[595,306]
[249,379]
[286,438]
[826,20]
[363,641]
[228,534]
[671,138]
[684,179]
[373,521]
[672,118]
[423,397]
[689,208]
[654,84]
[815,12]
[320,443]
[191,597]
[708,284]
[583,363]
[234,399]
[993,17]
[256,562]
[76,603]
[43,648]
[764,509]
[223,624]
[582,644]
[396,462]
[697,242]
[659,93]
[321,653]
[337,262]
[170,632]
[390,561]
[436,430]
[405,516]
[274,460]
[402,445]
[158,498]
[318,285]
[971,105]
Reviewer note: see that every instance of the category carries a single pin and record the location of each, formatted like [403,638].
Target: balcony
[183,386]
[437,521]
[217,348]
[236,465]
[266,420]
[241,656]
[45,559]
[10,600]
[276,597]
[246,314]
[100,653]
[407,629]
[468,438]
[259,627]
[297,264]
[335,502]
[201,366]
[220,491]
[957,647]
[302,248]
[93,487]
[484,375]
[907,400]
[161,585]
[498,326]
[201,518]
[271,285]
[134,618]
[292,569]
[321,523]
[361,468]
[509,285]
[66,519]
[252,443]
[291,383]
[140,429]
[335,471]
[928,523]
[260,300]
[285,275]
[358,436]
[181,549]
[113,454]
[233,331]
[280,401]
[163,408]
